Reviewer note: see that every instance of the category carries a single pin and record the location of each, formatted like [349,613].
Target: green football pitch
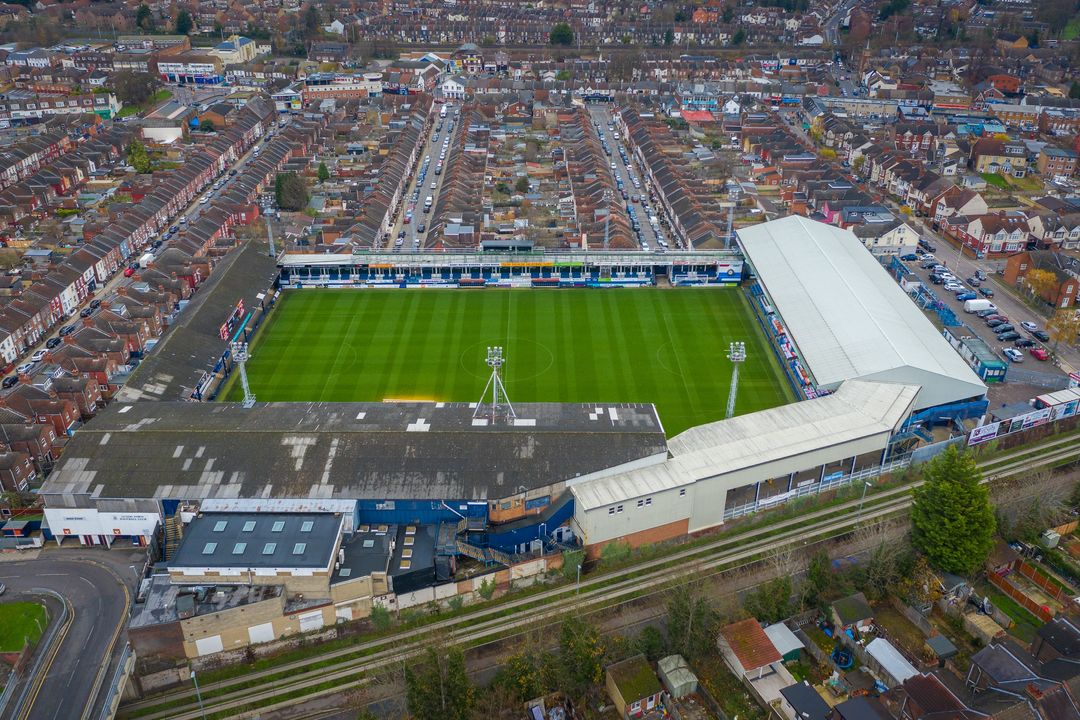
[666,347]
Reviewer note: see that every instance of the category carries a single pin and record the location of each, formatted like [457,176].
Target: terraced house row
[47,302]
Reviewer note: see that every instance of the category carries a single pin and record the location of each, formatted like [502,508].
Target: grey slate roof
[406,450]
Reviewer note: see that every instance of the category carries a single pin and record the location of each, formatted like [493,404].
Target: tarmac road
[99,601]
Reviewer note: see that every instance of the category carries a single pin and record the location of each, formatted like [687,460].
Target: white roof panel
[847,316]
[890,659]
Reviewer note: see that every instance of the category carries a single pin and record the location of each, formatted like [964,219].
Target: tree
[1064,326]
[561,34]
[207,125]
[138,158]
[312,22]
[817,581]
[1074,90]
[691,623]
[669,37]
[651,644]
[134,88]
[771,601]
[380,618]
[563,76]
[144,18]
[290,192]
[728,15]
[439,687]
[522,185]
[739,38]
[1041,283]
[827,154]
[323,173]
[184,23]
[581,654]
[952,521]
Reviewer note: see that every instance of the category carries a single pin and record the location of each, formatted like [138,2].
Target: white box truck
[974,306]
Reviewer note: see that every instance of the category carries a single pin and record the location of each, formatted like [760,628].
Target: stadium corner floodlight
[240,356]
[737,355]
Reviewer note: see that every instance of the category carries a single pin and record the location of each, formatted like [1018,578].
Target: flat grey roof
[400,450]
[259,540]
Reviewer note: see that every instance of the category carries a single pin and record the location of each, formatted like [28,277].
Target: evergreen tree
[739,38]
[952,521]
[1074,90]
[561,34]
[144,19]
[324,172]
[439,687]
[184,24]
[138,158]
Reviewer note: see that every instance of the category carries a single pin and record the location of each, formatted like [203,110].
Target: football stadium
[664,346]
[369,398]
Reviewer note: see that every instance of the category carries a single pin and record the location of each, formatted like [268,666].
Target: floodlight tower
[495,361]
[737,355]
[240,357]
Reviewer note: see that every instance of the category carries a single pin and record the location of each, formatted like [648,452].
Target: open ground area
[667,347]
[19,622]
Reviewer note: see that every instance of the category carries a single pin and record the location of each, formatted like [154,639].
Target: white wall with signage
[94,527]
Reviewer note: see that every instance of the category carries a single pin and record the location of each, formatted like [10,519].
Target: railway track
[350,668]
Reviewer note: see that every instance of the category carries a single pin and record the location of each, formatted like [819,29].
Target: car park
[1029,326]
[1014,355]
[1040,353]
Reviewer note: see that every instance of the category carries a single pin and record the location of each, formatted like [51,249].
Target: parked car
[980,274]
[994,321]
[95,304]
[1014,355]
[1040,354]
[1040,335]
[1024,343]
[986,292]
[1029,326]
[1008,336]
[86,312]
[24,368]
[53,342]
[986,313]
[1003,327]
[998,316]
[966,296]
[67,330]
[910,257]
[37,356]
[10,381]
[973,282]
[128,272]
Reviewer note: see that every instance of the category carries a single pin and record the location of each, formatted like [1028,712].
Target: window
[648,501]
[618,508]
[278,526]
[682,492]
[249,526]
[306,526]
[298,548]
[641,503]
[269,548]
[220,525]
[238,548]
[209,548]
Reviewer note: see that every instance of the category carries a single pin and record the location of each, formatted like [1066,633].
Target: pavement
[98,587]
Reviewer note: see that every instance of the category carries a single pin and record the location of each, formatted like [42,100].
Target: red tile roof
[750,644]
